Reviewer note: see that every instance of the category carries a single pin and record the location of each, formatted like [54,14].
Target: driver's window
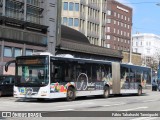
[6,81]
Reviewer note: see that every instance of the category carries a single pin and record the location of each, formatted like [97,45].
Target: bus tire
[106,92]
[139,91]
[70,94]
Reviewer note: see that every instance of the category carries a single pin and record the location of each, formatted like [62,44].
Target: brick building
[119,25]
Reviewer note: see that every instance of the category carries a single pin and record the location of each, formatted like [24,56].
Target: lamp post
[130,53]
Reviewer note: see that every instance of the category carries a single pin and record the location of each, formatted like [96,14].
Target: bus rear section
[134,79]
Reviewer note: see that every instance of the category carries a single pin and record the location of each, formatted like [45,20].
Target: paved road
[147,102]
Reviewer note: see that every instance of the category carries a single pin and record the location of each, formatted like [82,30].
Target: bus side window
[56,72]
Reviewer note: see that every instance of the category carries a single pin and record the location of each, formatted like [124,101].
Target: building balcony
[92,34]
[38,3]
[104,23]
[94,20]
[82,16]
[83,2]
[103,37]
[34,19]
[82,30]
[22,36]
[14,14]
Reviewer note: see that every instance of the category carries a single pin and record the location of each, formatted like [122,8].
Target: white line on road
[145,118]
[84,103]
[66,110]
[134,109]
[114,104]
[153,100]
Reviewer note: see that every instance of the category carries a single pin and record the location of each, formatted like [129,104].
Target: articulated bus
[45,76]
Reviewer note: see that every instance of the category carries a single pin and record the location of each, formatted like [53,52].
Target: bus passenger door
[115,78]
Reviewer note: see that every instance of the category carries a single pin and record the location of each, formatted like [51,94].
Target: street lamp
[130,53]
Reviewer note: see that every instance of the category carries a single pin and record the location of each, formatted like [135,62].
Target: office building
[27,26]
[147,45]
[105,23]
[119,25]
[86,16]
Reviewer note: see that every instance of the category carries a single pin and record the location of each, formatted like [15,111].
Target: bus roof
[72,58]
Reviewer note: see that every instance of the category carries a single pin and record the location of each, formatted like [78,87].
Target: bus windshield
[30,73]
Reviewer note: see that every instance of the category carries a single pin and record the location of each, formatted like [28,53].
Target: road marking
[145,118]
[151,100]
[84,103]
[66,110]
[114,104]
[134,109]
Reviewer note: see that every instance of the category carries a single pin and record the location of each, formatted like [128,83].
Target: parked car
[154,85]
[6,84]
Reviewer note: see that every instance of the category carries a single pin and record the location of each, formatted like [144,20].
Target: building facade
[106,23]
[26,26]
[147,45]
[86,16]
[119,25]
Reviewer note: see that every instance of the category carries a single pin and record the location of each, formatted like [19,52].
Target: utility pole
[130,53]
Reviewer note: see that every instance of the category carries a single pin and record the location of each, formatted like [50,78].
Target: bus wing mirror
[8,63]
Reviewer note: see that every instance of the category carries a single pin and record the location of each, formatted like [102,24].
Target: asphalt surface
[88,107]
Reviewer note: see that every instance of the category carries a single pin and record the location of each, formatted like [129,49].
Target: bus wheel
[70,94]
[106,92]
[139,91]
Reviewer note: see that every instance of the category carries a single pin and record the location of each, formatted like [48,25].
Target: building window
[70,22]
[128,19]
[108,46]
[136,50]
[76,6]
[65,20]
[118,23]
[29,52]
[7,51]
[108,12]
[114,30]
[76,22]
[121,16]
[71,4]
[108,29]
[117,31]
[17,52]
[118,15]
[65,6]
[108,37]
[108,20]
[128,26]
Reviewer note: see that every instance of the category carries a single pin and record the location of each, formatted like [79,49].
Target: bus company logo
[29,91]
[6,114]
[82,82]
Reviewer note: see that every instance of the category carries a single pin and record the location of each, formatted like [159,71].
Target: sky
[146,15]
